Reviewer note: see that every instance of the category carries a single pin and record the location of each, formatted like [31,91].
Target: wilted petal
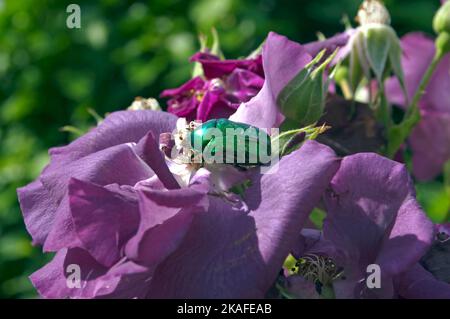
[353,130]
[444,228]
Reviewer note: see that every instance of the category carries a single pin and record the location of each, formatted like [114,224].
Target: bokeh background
[51,75]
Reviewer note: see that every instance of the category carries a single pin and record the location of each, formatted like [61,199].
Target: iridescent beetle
[238,144]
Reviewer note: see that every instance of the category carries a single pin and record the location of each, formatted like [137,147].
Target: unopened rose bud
[303,99]
[441,22]
[376,46]
[441,25]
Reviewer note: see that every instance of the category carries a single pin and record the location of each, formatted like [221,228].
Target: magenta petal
[213,102]
[213,67]
[193,84]
[282,60]
[231,252]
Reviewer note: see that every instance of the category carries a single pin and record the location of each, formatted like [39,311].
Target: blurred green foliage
[50,75]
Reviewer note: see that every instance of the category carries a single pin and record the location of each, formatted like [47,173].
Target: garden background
[51,75]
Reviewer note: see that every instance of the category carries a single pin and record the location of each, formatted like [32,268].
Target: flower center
[321,270]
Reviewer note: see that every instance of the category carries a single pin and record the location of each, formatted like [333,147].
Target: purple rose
[430,140]
[111,204]
[372,218]
[108,204]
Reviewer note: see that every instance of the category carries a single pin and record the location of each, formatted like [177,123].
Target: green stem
[424,83]
[397,134]
[307,129]
[383,109]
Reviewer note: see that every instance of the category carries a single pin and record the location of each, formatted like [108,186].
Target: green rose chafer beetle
[225,141]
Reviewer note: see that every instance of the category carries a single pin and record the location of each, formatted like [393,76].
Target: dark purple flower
[214,67]
[226,84]
[229,84]
[372,218]
[430,140]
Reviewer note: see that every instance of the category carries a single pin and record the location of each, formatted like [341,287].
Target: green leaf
[397,134]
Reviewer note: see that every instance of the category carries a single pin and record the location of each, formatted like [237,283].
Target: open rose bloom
[127,219]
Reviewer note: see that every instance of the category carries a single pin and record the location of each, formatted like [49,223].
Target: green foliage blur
[50,75]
